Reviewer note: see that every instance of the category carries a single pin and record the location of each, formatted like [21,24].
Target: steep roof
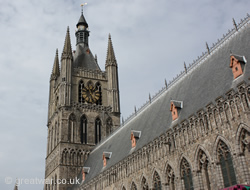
[82,21]
[201,85]
[83,58]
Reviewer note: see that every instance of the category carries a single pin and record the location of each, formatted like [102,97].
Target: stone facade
[194,145]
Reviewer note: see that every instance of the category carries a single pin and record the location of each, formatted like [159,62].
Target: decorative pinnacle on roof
[235,25]
[166,84]
[82,20]
[56,69]
[67,50]
[110,60]
[185,67]
[208,50]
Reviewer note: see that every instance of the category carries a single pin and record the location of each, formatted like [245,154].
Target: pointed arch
[123,188]
[200,147]
[218,139]
[226,163]
[156,181]
[203,168]
[80,89]
[243,138]
[144,183]
[71,128]
[98,126]
[186,174]
[109,126]
[133,186]
[170,177]
[84,130]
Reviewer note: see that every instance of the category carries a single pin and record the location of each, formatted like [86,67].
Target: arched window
[83,130]
[156,181]
[80,89]
[170,178]
[226,164]
[123,188]
[97,130]
[203,168]
[71,128]
[186,175]
[99,93]
[108,126]
[133,186]
[144,184]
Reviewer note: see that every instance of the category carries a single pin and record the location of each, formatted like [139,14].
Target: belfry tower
[83,106]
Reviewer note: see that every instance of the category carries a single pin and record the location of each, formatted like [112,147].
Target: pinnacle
[67,50]
[56,69]
[110,53]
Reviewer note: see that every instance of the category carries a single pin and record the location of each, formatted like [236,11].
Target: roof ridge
[191,66]
[179,77]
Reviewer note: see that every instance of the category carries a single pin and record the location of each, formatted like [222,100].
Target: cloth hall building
[193,135]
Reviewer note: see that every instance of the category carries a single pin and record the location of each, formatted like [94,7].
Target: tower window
[81,37]
[109,126]
[80,90]
[83,130]
[71,128]
[97,130]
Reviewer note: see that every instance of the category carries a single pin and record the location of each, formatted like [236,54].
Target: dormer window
[174,107]
[105,157]
[135,135]
[237,64]
[85,170]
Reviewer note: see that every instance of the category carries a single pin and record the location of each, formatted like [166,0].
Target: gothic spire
[56,69]
[67,51]
[110,60]
[82,21]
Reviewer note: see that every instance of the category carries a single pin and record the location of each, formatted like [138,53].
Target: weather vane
[82,5]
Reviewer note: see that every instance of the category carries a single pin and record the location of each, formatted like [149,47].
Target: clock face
[90,94]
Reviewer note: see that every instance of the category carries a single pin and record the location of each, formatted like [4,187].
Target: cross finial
[82,5]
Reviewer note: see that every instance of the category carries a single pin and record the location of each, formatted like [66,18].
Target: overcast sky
[151,39]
